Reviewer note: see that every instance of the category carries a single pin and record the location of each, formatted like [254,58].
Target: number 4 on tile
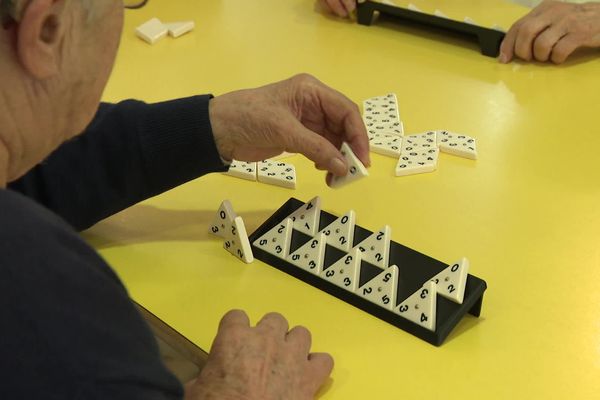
[306,218]
[420,307]
[417,161]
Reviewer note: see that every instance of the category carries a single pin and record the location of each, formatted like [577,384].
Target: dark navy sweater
[68,329]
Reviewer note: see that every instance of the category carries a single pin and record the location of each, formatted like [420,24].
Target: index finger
[336,7]
[507,48]
[350,5]
[232,319]
[273,322]
[357,138]
[340,110]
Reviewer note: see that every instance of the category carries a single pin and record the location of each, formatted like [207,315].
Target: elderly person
[550,32]
[69,329]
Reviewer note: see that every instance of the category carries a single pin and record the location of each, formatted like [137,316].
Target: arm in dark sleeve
[69,329]
[131,151]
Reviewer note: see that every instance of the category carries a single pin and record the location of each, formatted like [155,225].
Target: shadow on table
[146,223]
[467,323]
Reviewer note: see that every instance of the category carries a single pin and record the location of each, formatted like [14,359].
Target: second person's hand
[552,32]
[341,8]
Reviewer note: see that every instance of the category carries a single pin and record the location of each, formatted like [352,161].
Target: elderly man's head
[55,59]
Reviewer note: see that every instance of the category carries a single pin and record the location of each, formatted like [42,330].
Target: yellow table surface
[526,214]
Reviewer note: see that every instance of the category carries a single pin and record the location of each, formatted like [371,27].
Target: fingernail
[503,58]
[338,167]
[328,178]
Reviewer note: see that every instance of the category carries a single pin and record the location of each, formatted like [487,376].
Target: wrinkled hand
[552,31]
[298,115]
[266,362]
[341,8]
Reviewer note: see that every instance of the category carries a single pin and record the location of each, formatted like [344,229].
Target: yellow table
[526,213]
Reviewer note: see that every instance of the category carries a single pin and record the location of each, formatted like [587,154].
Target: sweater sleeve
[69,330]
[131,151]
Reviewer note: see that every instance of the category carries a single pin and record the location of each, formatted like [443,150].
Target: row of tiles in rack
[420,307]
[381,289]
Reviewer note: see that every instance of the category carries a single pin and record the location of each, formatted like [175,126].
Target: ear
[39,38]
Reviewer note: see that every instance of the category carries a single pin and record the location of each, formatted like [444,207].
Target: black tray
[489,39]
[414,270]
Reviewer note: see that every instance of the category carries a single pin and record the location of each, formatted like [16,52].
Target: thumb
[507,47]
[315,147]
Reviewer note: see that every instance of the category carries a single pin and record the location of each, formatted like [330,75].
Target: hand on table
[266,362]
[298,115]
[341,8]
[552,31]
